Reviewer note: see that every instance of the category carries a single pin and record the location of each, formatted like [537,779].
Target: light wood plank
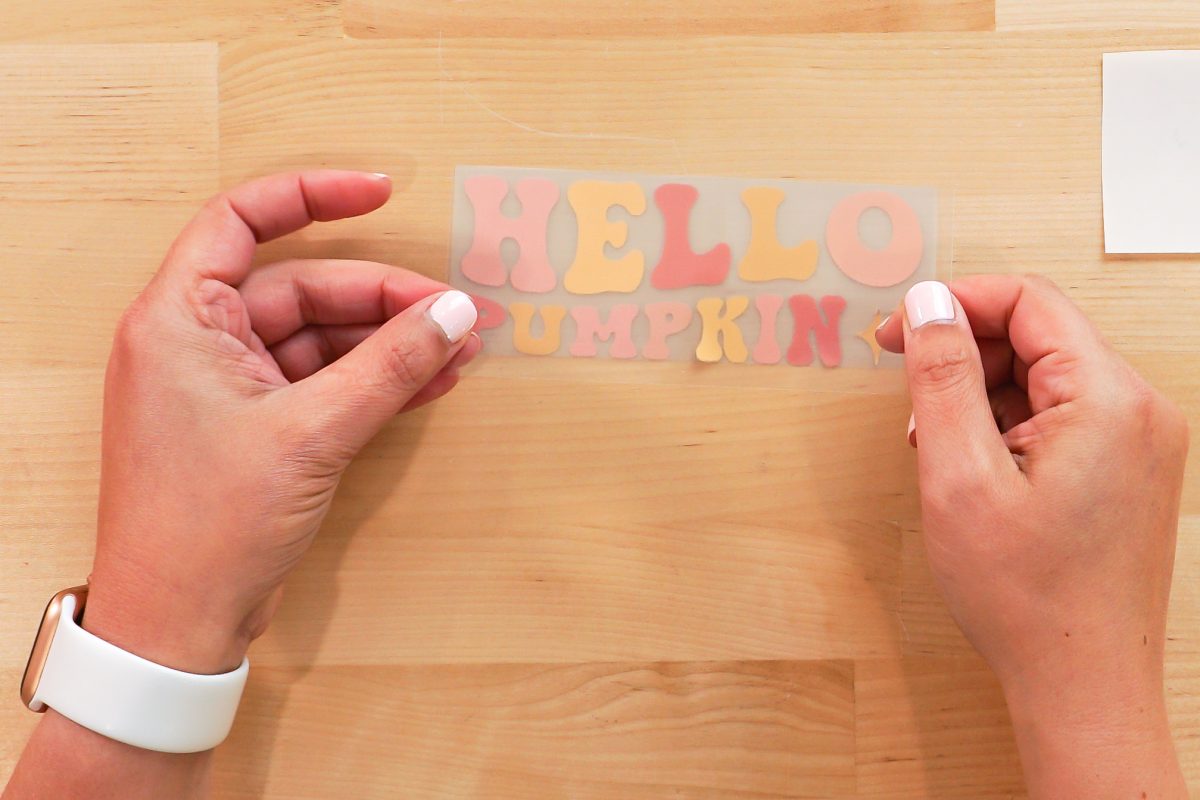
[109,150]
[654,18]
[629,730]
[102,122]
[137,21]
[1014,15]
[933,728]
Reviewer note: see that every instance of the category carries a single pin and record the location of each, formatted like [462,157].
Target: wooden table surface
[558,586]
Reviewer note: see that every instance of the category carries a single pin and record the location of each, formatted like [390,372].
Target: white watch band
[127,698]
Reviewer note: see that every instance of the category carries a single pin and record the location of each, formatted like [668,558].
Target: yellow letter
[547,343]
[713,322]
[766,259]
[592,273]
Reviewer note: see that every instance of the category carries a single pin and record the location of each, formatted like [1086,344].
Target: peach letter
[767,349]
[491,313]
[808,320]
[715,323]
[482,263]
[592,272]
[619,328]
[679,266]
[547,343]
[886,267]
[766,259]
[666,319]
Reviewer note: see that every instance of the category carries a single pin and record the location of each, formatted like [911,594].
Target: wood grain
[668,586]
[932,728]
[1097,15]
[654,18]
[652,730]
[137,21]
[107,123]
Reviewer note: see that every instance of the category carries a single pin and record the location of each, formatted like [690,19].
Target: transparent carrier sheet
[720,216]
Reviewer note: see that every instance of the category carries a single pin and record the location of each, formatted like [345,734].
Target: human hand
[1050,477]
[235,398]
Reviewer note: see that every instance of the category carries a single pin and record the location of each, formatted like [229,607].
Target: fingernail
[381,176]
[912,430]
[454,313]
[928,301]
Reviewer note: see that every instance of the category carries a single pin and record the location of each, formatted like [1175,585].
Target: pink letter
[482,263]
[767,349]
[886,267]
[679,266]
[666,319]
[619,328]
[807,319]
[491,313]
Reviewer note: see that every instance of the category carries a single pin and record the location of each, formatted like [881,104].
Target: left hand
[234,399]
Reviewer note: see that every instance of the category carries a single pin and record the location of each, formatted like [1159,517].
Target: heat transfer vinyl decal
[778,273]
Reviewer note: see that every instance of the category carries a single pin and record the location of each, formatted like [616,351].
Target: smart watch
[120,695]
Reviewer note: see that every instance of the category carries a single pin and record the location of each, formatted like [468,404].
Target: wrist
[1087,738]
[1095,718]
[165,627]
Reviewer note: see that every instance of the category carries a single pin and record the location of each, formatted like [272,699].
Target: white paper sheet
[1152,152]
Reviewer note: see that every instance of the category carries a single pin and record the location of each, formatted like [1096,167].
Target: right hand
[1050,476]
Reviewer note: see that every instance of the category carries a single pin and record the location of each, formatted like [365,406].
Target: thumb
[356,395]
[955,430]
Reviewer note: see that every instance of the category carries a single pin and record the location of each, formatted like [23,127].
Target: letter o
[886,267]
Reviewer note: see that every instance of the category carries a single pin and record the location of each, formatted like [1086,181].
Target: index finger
[219,242]
[1066,355]
[1048,332]
[1029,311]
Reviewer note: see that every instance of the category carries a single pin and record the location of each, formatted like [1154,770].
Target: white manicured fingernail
[928,301]
[382,176]
[454,313]
[912,430]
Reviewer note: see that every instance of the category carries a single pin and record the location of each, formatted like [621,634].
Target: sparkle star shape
[867,334]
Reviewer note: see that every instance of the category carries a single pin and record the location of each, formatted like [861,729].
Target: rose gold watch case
[41,643]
